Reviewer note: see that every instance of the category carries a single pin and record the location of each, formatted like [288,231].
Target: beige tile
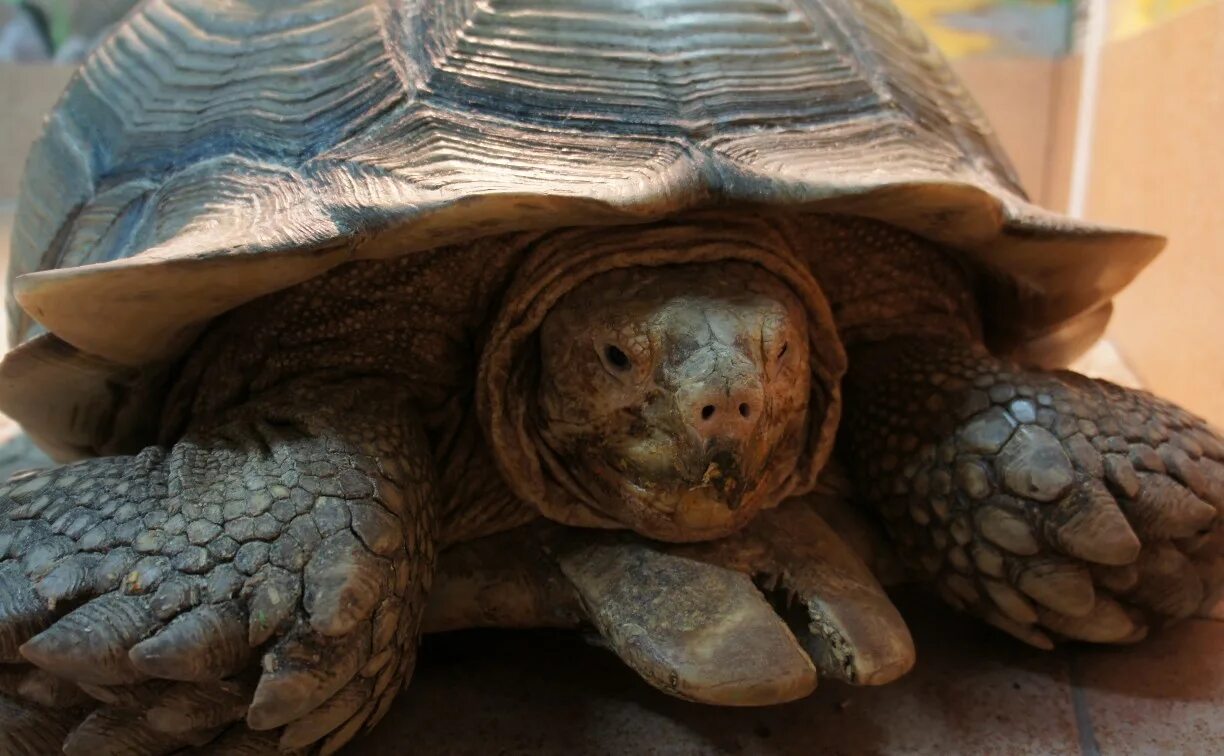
[1163,696]
[973,692]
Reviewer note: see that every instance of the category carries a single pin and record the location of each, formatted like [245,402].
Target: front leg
[1045,502]
[273,565]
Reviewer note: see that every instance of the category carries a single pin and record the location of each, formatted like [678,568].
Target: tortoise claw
[851,628]
[688,618]
[694,630]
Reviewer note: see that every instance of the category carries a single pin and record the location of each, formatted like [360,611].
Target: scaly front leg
[273,565]
[1042,501]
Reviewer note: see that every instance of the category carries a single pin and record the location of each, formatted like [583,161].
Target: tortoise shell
[209,153]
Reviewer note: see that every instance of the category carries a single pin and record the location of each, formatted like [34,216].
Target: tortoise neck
[884,283]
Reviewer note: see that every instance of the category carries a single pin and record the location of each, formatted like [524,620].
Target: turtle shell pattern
[213,151]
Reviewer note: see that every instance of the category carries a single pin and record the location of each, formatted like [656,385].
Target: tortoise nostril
[745,410]
[707,412]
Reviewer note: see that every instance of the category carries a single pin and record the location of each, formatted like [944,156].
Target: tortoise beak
[723,474]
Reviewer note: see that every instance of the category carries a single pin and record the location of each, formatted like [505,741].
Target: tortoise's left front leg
[1043,501]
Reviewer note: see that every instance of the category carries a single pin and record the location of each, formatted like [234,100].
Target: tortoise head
[674,377]
[673,394]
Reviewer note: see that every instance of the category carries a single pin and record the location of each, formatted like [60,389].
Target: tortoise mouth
[722,470]
[695,514]
[719,500]
[708,496]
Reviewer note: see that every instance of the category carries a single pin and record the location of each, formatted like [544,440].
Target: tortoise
[577,300]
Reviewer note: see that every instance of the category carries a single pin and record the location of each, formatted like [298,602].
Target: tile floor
[972,692]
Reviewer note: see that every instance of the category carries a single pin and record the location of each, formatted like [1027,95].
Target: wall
[1158,163]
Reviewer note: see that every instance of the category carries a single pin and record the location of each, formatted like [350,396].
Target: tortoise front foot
[691,619]
[694,630]
[1046,502]
[837,608]
[272,569]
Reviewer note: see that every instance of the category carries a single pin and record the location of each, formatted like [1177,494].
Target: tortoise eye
[616,359]
[775,367]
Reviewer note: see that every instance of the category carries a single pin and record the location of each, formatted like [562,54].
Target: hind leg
[1046,502]
[272,564]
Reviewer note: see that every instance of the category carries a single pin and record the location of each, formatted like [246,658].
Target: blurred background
[1110,109]
[1113,110]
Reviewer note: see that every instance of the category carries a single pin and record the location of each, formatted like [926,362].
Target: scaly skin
[416,321]
[703,419]
[297,527]
[1047,503]
[690,621]
[1044,502]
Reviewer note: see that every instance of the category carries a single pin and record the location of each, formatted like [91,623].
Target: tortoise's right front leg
[271,565]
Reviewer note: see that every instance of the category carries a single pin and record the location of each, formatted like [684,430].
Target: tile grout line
[1088,744]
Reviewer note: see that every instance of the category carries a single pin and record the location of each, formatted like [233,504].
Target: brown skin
[675,395]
